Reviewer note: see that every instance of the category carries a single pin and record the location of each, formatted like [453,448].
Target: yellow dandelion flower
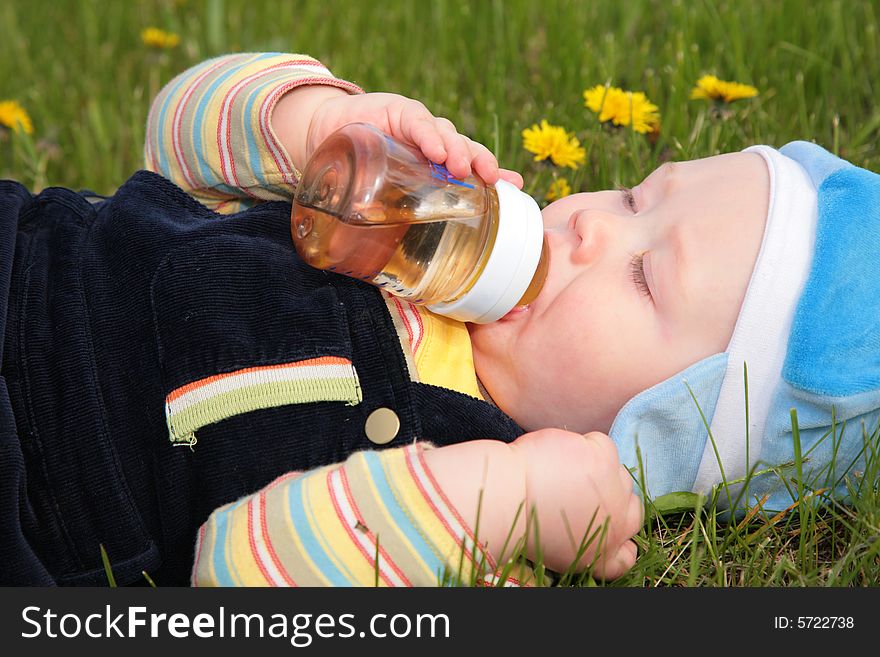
[604,101]
[711,88]
[552,141]
[14,117]
[643,114]
[558,189]
[159,39]
[623,107]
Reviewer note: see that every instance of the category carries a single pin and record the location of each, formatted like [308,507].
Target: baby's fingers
[624,557]
[628,511]
[482,161]
[612,566]
[465,156]
[423,133]
[458,153]
[513,177]
[635,515]
[440,142]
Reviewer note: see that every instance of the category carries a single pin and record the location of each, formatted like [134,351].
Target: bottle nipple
[538,279]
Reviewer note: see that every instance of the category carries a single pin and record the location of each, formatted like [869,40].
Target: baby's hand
[409,121]
[579,489]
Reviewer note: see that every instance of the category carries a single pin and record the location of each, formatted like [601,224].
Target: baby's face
[640,287]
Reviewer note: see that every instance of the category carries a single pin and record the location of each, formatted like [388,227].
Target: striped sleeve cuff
[209,129]
[379,519]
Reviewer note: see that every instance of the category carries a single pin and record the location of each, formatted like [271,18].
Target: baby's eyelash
[637,267]
[629,200]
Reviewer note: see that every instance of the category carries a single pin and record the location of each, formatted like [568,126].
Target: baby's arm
[237,129]
[378,518]
[210,128]
[404,118]
[405,516]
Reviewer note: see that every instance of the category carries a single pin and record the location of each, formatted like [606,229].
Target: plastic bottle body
[372,208]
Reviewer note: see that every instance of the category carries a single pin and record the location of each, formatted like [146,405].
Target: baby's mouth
[514,312]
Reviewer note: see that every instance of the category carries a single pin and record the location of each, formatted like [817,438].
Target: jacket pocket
[242,325]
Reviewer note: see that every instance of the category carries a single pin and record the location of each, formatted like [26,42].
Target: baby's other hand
[579,489]
[409,121]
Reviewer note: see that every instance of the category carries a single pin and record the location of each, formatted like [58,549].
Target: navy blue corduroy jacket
[107,305]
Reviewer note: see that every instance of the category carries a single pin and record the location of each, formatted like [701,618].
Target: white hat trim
[760,337]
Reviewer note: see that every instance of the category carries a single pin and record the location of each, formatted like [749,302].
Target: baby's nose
[595,230]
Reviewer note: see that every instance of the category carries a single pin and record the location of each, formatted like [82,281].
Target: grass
[495,67]
[814,542]
[492,66]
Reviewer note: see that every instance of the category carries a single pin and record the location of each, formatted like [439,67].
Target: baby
[656,299]
[279,377]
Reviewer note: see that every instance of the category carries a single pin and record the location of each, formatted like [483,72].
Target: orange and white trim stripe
[218,397]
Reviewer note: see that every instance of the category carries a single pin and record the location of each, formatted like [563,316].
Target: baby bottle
[371,207]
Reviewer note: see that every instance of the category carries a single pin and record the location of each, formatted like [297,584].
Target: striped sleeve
[378,519]
[209,129]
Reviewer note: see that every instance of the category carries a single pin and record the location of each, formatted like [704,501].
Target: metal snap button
[382,426]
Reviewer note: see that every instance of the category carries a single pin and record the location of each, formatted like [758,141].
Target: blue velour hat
[807,338]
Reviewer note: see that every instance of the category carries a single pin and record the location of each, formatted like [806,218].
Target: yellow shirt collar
[438,349]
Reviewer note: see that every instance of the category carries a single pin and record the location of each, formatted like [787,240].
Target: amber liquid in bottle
[431,260]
